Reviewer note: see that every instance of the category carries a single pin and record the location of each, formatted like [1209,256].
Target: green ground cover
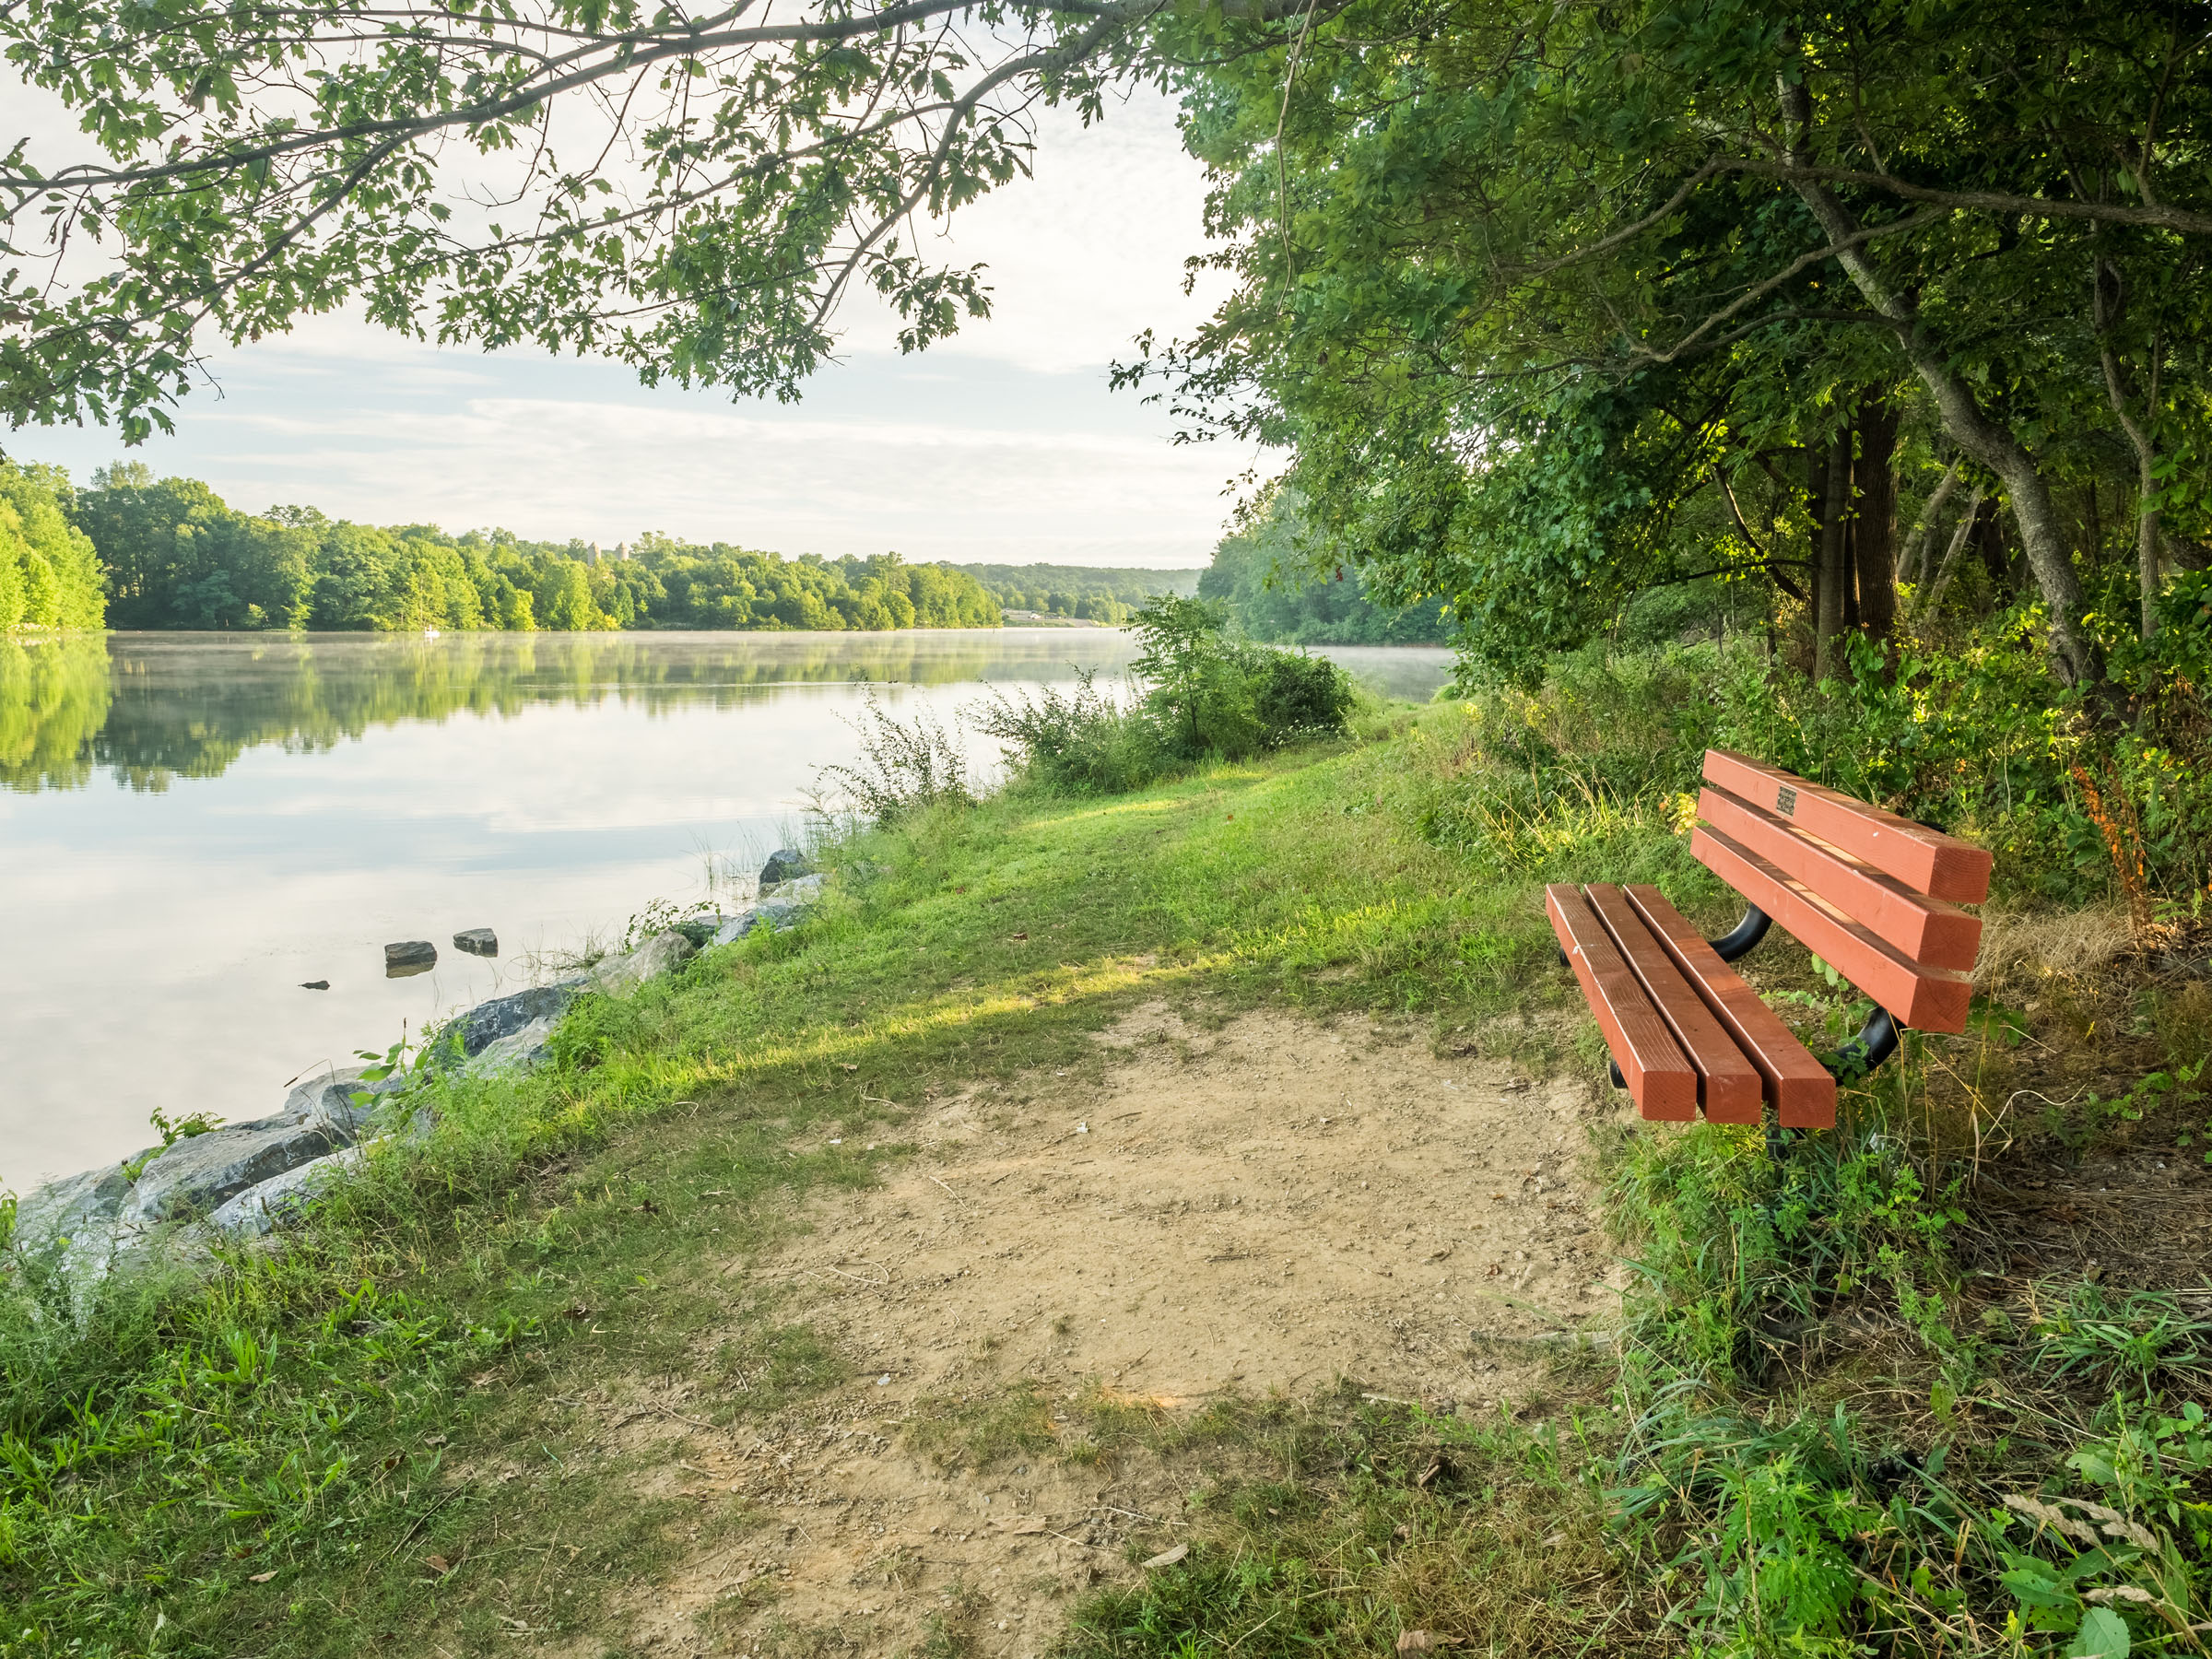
[1822,1400]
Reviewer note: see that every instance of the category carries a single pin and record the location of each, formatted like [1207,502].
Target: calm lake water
[192,824]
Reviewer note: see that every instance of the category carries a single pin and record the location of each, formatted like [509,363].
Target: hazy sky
[1002,445]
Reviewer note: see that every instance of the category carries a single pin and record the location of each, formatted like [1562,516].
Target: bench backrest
[1873,895]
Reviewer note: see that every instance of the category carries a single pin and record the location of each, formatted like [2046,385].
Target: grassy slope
[264,1466]
[276,1454]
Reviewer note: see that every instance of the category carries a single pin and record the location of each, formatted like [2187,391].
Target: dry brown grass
[2024,951]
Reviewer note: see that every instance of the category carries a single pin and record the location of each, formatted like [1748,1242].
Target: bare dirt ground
[1271,1207]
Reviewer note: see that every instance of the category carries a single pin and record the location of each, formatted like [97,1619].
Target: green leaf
[2032,1587]
[2103,1635]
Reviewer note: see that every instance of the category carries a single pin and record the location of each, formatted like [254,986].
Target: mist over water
[193,825]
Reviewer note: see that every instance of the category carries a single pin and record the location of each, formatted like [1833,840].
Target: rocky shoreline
[172,1204]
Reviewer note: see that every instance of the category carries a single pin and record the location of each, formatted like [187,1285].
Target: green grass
[263,1464]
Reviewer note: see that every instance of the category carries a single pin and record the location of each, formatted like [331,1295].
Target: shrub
[901,768]
[1208,696]
[1214,696]
[1293,695]
[1080,741]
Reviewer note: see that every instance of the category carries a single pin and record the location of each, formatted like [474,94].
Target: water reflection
[155,707]
[53,701]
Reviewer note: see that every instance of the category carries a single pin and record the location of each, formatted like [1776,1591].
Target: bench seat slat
[1931,999]
[1729,1088]
[1926,859]
[1801,1088]
[1927,929]
[1659,1080]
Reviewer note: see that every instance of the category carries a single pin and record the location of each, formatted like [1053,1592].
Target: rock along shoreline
[172,1204]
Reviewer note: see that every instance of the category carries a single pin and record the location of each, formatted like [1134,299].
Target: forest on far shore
[134,552]
[177,556]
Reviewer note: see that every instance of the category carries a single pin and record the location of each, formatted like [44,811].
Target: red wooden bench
[1873,895]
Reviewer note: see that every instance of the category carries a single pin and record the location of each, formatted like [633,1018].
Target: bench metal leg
[1876,1041]
[1743,936]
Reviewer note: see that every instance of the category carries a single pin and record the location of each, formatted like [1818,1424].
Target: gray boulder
[411,956]
[516,1051]
[785,864]
[78,1209]
[327,1098]
[619,976]
[477,941]
[200,1171]
[487,1023]
[270,1204]
[735,927]
[781,909]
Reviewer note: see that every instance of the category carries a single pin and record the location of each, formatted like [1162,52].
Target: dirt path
[1270,1206]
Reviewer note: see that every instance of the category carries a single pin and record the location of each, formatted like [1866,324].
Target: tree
[563,600]
[1181,656]
[49,575]
[690,192]
[155,536]
[1522,286]
[1276,583]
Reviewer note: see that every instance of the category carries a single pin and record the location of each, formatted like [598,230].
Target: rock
[270,1204]
[785,864]
[327,1098]
[477,941]
[200,1171]
[732,928]
[314,984]
[781,909]
[619,976]
[516,1051]
[503,1015]
[76,1208]
[409,956]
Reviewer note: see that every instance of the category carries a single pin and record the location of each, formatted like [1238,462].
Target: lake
[193,826]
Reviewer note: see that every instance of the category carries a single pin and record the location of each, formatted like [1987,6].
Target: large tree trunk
[1997,558]
[1874,528]
[1932,600]
[2109,296]
[2074,655]
[1915,566]
[1829,475]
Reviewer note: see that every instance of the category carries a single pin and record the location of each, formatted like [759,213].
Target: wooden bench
[1873,895]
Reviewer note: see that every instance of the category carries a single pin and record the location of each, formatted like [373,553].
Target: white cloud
[1004,444]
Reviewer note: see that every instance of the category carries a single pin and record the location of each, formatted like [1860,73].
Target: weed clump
[1206,695]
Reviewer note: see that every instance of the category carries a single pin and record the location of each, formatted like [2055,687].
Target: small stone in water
[409,956]
[477,941]
[314,984]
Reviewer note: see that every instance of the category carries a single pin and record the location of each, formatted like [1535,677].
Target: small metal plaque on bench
[1785,801]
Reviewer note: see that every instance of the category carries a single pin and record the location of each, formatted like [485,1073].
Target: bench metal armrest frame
[1876,1041]
[1739,939]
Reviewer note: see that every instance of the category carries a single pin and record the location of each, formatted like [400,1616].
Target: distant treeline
[1278,587]
[49,575]
[1097,595]
[176,556]
[134,552]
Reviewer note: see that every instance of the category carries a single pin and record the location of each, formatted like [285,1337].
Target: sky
[1003,445]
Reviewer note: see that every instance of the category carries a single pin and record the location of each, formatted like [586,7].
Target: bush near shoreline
[1927,1384]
